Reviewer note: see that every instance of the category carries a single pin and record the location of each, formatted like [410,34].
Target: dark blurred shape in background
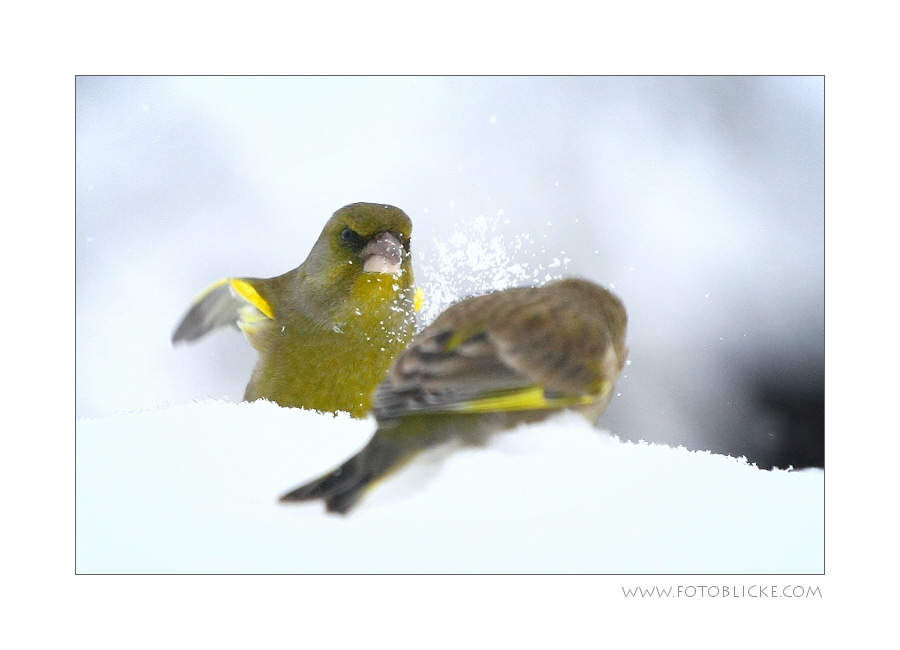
[788,425]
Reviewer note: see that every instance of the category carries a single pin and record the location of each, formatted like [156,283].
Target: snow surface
[193,489]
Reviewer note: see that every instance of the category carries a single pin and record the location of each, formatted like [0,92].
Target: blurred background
[698,200]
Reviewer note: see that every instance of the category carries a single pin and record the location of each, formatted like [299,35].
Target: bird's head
[364,238]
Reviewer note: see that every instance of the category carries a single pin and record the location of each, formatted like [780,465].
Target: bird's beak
[383,254]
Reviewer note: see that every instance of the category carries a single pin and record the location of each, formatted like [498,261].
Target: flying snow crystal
[478,259]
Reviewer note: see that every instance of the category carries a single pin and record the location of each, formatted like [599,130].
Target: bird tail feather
[342,487]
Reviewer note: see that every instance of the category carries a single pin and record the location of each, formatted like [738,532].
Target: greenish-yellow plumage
[486,364]
[327,331]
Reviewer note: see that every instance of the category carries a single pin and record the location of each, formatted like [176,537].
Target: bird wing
[520,349]
[232,301]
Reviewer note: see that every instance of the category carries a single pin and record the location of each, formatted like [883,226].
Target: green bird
[486,364]
[327,331]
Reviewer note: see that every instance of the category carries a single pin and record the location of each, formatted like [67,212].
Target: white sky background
[700,200]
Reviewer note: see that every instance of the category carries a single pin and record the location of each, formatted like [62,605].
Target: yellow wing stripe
[419,298]
[248,293]
[459,337]
[527,399]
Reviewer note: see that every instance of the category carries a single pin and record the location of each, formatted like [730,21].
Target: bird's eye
[352,238]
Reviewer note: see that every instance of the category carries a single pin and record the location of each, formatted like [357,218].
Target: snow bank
[193,489]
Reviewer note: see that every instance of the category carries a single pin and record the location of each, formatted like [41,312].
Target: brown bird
[487,364]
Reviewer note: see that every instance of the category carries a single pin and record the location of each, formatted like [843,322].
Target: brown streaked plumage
[486,364]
